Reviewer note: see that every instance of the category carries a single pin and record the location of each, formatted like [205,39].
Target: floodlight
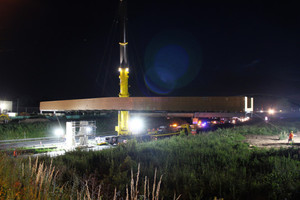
[89,129]
[136,125]
[59,132]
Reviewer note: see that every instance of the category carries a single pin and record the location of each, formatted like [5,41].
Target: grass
[26,130]
[22,179]
[196,167]
[262,128]
[29,180]
[215,164]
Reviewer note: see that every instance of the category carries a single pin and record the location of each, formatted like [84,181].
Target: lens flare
[172,60]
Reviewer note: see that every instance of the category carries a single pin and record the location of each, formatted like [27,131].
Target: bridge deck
[172,104]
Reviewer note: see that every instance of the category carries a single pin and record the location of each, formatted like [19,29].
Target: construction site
[130,109]
[149,147]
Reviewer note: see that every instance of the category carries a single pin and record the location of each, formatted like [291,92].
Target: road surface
[37,142]
[48,143]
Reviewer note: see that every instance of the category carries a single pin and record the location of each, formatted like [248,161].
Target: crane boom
[123,116]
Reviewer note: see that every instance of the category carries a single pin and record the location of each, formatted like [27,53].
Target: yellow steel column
[124,82]
[123,116]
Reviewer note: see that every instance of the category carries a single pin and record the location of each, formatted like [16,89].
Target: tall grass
[196,167]
[35,180]
[19,180]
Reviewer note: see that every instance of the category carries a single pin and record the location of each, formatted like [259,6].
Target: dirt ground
[272,141]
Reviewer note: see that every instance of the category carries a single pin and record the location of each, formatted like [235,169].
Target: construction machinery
[197,106]
[173,129]
[123,116]
[4,118]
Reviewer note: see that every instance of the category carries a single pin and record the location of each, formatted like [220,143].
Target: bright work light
[136,125]
[89,129]
[59,132]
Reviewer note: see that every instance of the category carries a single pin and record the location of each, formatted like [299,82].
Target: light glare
[88,129]
[136,125]
[271,111]
[59,132]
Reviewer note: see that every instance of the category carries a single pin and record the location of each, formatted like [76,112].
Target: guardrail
[28,139]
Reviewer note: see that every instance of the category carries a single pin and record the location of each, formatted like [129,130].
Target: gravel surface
[271,141]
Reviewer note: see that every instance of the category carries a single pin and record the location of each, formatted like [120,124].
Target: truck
[172,130]
[159,133]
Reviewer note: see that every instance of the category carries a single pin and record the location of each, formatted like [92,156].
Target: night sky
[52,50]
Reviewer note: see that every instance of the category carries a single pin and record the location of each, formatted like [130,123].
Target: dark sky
[69,49]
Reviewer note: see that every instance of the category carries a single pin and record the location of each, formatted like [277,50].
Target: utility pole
[123,116]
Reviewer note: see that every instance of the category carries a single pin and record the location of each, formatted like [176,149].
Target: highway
[31,142]
[47,143]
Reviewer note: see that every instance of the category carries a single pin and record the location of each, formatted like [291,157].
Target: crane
[123,116]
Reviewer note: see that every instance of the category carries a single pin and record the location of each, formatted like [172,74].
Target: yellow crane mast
[123,116]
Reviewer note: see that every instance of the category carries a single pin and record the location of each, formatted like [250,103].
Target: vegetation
[196,167]
[15,130]
[214,164]
[26,130]
[27,181]
[21,180]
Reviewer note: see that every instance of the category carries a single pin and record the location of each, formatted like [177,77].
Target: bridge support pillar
[123,121]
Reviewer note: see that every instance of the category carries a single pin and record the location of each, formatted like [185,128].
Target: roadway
[30,142]
[47,143]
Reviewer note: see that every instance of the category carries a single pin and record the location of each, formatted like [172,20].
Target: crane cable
[139,63]
[107,50]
